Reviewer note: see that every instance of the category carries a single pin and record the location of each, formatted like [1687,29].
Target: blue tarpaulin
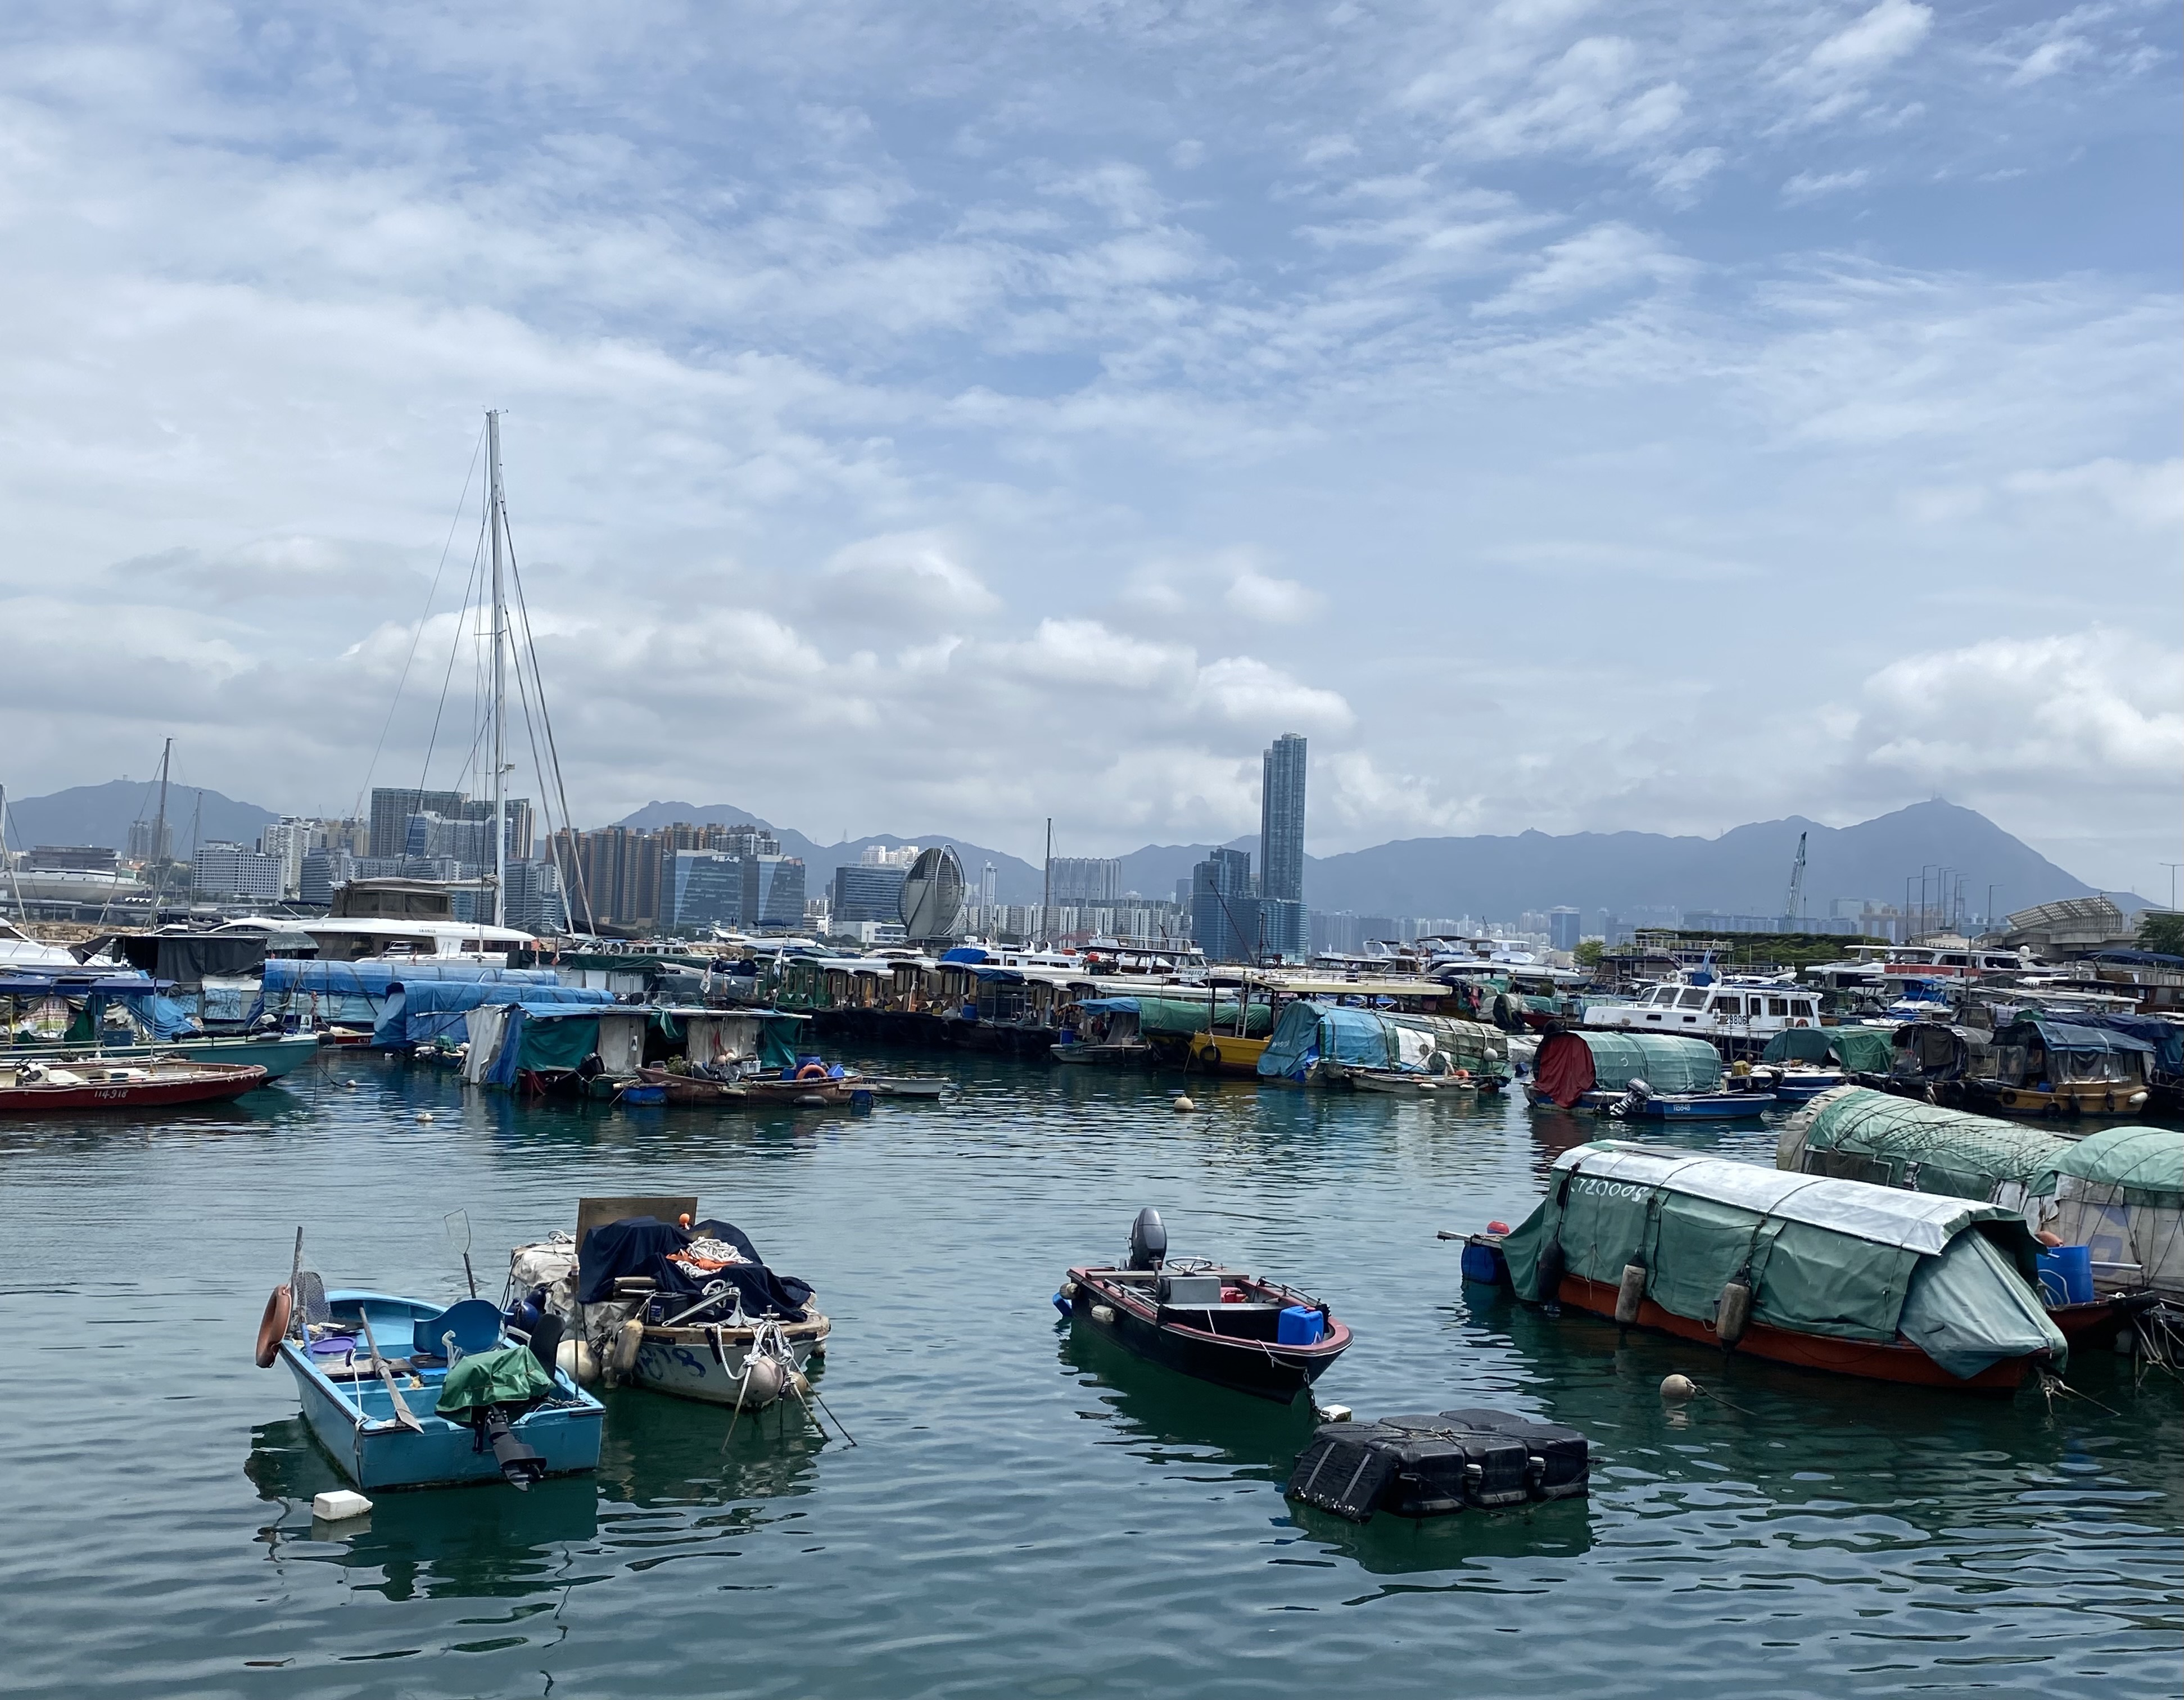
[419,1013]
[354,992]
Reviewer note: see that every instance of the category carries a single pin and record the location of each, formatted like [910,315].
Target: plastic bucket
[1299,1326]
[2066,1275]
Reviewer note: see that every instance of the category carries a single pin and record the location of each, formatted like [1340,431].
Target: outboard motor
[520,1463]
[1634,1096]
[1148,1241]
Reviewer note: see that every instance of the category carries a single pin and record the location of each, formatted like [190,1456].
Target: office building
[866,891]
[1084,879]
[229,870]
[322,871]
[1563,928]
[74,859]
[535,900]
[1224,914]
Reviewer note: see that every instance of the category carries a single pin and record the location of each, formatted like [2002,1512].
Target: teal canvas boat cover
[2147,1161]
[1310,1034]
[1856,1133]
[1571,1064]
[1862,1049]
[1834,1257]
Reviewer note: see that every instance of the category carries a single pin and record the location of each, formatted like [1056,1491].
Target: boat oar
[402,1412]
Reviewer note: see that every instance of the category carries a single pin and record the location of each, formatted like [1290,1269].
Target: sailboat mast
[496,519]
[159,821]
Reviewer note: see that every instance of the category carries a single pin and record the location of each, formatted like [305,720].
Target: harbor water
[1023,1513]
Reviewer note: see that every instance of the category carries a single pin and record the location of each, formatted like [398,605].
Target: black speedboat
[1216,1324]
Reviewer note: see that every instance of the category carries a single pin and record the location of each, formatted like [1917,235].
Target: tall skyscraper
[1281,820]
[1284,922]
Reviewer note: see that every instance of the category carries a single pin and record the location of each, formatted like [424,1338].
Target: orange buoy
[273,1326]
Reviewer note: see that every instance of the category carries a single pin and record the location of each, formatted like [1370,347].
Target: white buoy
[351,1084]
[424,1115]
[1679,1387]
[1103,1314]
[761,1379]
[1183,1107]
[1334,1413]
[577,1359]
[339,1506]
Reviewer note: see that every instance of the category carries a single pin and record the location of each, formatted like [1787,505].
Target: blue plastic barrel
[1299,1325]
[2066,1275]
[1484,1264]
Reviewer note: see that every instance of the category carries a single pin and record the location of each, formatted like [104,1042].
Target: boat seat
[474,1323]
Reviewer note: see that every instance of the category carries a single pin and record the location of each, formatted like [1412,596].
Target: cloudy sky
[1568,416]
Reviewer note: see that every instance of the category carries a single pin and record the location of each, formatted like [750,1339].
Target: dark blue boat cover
[640,1245]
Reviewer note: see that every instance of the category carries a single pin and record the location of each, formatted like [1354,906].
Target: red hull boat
[58,1086]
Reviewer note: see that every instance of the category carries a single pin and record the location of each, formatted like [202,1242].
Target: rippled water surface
[1024,1513]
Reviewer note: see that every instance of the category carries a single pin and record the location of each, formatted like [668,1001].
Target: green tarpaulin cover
[1823,1257]
[1187,1016]
[1856,1133]
[556,1041]
[2146,1162]
[1862,1049]
[510,1375]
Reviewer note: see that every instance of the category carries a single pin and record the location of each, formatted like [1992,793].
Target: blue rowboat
[350,1410]
[1680,1106]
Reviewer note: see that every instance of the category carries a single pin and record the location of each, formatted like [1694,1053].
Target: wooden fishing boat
[1205,1320]
[112,1084]
[750,1091]
[1402,1083]
[1228,1053]
[683,1306]
[373,1371]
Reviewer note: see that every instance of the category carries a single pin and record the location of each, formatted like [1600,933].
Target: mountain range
[1632,875]
[100,816]
[1744,872]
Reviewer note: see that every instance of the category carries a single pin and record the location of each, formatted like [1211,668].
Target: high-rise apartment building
[1285,926]
[1564,928]
[1085,879]
[1281,820]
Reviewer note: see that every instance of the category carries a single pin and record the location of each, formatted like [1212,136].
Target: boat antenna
[1046,888]
[495,519]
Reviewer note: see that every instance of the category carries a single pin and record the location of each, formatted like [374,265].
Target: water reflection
[662,1452]
[1158,1411]
[487,1540]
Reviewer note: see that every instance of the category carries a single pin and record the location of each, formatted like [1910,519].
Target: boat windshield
[1695,998]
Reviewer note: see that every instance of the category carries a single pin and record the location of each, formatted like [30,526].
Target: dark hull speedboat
[1202,1319]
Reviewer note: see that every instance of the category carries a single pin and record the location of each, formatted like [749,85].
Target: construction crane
[1797,885]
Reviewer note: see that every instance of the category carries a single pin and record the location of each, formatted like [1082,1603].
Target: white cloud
[1275,601]
[1606,257]
[1877,38]
[1811,185]
[2082,720]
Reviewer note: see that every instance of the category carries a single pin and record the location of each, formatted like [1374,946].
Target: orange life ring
[812,1071]
[273,1326]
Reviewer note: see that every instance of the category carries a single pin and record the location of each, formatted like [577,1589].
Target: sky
[924,417]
